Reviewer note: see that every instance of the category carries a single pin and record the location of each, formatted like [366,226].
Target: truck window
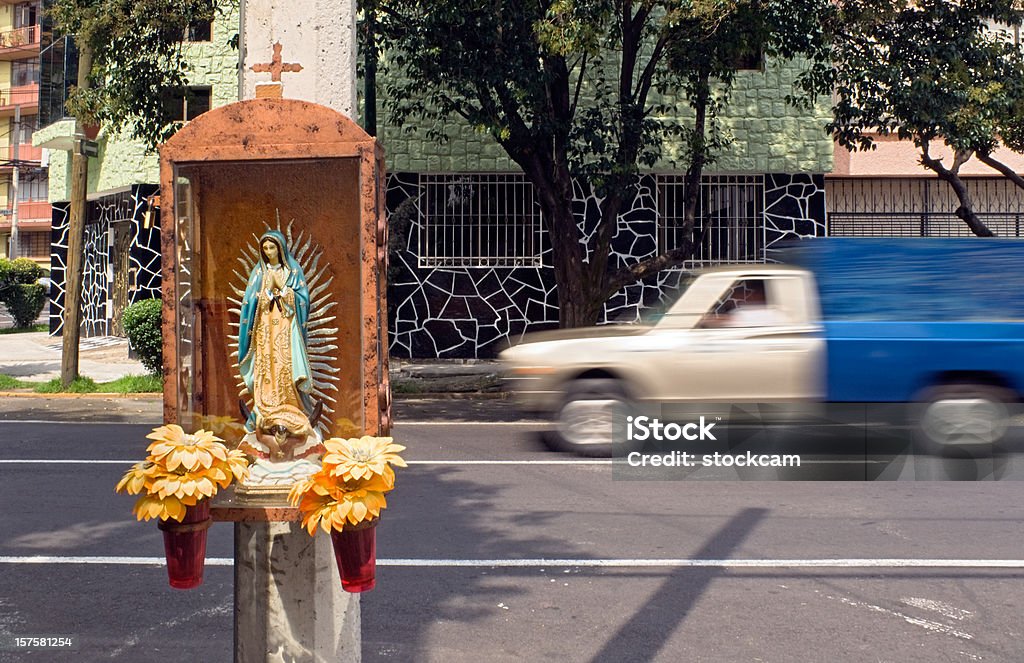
[748,303]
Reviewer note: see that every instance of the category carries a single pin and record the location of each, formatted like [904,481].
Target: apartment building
[25,212]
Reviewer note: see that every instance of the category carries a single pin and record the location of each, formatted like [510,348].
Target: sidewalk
[35,356]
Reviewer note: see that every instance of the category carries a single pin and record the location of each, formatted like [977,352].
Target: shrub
[24,270]
[25,301]
[19,292]
[142,325]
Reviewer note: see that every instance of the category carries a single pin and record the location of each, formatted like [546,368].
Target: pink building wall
[899,158]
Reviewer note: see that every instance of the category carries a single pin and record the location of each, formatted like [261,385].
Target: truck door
[760,342]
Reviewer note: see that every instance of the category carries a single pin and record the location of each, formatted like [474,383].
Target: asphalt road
[600,602]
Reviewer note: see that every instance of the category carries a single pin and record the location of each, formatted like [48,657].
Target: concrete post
[318,35]
[289,605]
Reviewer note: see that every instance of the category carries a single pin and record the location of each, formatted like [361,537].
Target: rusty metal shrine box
[228,176]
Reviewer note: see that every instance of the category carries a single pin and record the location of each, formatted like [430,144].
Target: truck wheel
[584,423]
[954,417]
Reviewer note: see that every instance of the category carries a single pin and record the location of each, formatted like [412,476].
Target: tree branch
[579,86]
[647,77]
[951,176]
[646,268]
[995,164]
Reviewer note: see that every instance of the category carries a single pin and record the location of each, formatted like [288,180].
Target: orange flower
[330,502]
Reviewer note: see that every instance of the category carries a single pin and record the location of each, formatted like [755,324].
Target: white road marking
[944,609]
[590,563]
[923,623]
[581,461]
[450,422]
[76,423]
[458,422]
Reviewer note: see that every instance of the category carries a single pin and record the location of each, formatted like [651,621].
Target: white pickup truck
[867,322]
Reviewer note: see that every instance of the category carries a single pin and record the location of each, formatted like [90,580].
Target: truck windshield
[669,296]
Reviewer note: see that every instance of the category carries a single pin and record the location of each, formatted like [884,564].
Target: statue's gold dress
[276,397]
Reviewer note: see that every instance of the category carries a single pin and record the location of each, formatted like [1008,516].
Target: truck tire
[583,424]
[955,417]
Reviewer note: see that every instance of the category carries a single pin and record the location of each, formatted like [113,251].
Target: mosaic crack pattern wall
[475,312]
[143,258]
[440,312]
[58,264]
[144,249]
[794,207]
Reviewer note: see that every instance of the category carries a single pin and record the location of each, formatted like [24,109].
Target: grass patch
[134,384]
[406,387]
[130,384]
[8,382]
[81,385]
[41,327]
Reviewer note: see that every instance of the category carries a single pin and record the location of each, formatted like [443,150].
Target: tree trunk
[952,177]
[76,240]
[698,151]
[553,183]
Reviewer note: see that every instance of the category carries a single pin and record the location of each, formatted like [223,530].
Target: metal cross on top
[276,67]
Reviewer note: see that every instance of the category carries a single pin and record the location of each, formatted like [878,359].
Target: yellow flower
[134,480]
[191,485]
[190,452]
[149,506]
[332,514]
[349,489]
[181,470]
[357,458]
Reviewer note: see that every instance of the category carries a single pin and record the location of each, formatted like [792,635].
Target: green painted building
[122,236]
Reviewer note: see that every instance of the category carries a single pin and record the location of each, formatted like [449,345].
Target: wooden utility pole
[76,237]
[15,240]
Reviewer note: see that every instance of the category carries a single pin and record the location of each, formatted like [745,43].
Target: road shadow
[645,634]
[469,520]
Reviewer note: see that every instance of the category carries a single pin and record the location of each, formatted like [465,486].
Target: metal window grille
[479,220]
[919,207]
[729,225]
[34,245]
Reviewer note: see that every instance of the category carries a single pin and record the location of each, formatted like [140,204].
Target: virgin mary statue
[272,340]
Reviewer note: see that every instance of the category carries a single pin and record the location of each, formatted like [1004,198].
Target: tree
[926,71]
[129,56]
[568,89]
[137,58]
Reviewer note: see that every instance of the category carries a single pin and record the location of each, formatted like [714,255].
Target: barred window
[34,186]
[35,245]
[729,222]
[187,103]
[479,220]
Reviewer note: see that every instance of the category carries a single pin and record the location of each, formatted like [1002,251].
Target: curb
[32,394]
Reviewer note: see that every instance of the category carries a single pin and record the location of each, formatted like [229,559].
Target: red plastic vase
[185,546]
[355,550]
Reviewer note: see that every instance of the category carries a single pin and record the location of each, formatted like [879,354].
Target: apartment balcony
[20,43]
[33,155]
[32,215]
[26,96]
